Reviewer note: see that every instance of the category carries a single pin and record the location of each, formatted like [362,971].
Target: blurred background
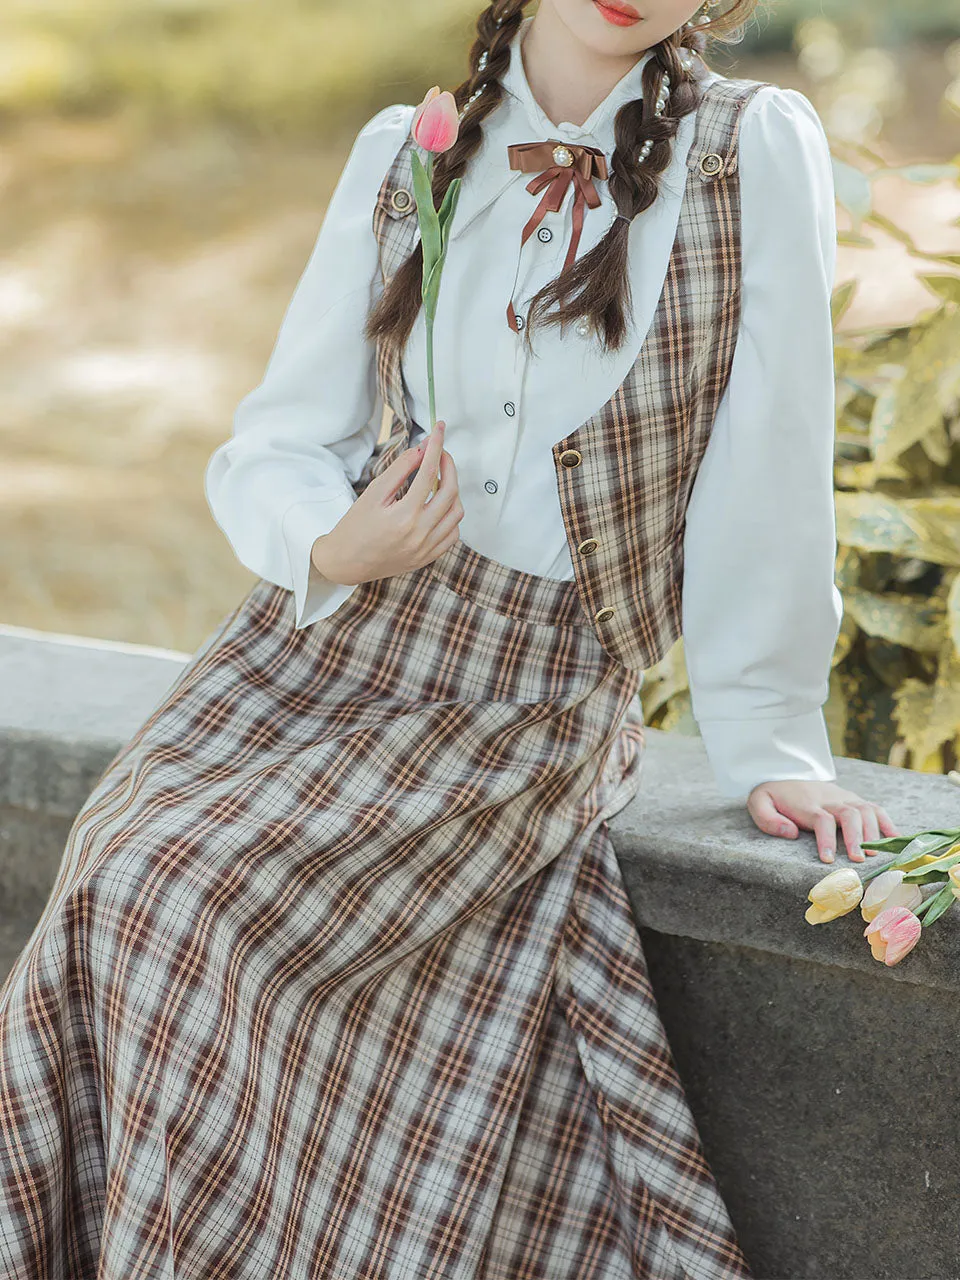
[164,168]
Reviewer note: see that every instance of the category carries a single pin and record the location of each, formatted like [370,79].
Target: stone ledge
[694,862]
[74,688]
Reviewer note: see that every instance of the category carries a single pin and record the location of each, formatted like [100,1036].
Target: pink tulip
[894,932]
[436,122]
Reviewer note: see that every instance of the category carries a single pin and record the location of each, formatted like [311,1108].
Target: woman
[339,978]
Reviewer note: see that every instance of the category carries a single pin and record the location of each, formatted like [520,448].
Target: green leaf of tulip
[939,867]
[940,903]
[926,842]
[431,289]
[898,844]
[426,213]
[448,206]
[892,844]
[445,232]
[920,851]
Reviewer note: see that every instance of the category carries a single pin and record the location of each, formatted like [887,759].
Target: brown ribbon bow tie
[557,164]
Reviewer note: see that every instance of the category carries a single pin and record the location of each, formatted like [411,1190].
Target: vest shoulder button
[588,546]
[401,199]
[571,458]
[603,614]
[711,163]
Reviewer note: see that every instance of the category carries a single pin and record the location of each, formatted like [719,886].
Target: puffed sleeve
[301,437]
[761,610]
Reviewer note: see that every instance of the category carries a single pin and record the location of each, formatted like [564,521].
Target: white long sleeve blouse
[760,608]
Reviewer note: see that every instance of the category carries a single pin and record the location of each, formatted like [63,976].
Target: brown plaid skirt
[338,979]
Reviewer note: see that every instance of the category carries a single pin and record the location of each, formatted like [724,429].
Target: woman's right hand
[382,535]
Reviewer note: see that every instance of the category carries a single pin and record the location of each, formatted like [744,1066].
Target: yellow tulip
[954,874]
[834,895]
[888,890]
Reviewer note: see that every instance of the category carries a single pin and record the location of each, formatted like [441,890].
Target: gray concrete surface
[822,1082]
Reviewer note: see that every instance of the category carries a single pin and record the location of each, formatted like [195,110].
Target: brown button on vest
[624,477]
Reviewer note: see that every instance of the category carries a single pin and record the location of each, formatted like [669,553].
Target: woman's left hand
[782,808]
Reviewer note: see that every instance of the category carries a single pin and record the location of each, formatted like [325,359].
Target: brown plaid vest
[624,476]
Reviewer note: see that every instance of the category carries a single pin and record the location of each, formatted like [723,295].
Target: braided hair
[596,287]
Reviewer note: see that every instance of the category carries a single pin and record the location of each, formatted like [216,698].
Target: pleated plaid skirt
[338,979]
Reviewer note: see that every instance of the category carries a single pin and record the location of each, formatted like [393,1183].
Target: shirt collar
[518,117]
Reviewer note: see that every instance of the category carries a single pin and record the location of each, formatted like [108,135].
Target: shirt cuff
[745,753]
[303,522]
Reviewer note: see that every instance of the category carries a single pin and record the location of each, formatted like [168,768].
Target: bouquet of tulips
[893,902]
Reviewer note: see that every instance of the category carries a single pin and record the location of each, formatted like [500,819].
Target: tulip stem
[428,316]
[430,386]
[878,869]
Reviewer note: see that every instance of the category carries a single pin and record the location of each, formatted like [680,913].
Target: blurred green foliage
[880,22]
[283,66]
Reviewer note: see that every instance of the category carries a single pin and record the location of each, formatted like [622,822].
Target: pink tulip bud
[894,932]
[436,122]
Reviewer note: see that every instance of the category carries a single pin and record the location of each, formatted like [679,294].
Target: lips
[617,12]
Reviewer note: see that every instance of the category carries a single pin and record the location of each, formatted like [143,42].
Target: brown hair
[596,287]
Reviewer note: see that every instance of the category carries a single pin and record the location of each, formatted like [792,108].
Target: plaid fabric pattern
[624,477]
[339,980]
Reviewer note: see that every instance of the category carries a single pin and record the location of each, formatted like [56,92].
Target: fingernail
[784,831]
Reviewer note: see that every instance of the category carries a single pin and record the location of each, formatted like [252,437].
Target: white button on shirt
[761,612]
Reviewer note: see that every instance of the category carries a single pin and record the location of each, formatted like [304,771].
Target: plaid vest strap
[397,230]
